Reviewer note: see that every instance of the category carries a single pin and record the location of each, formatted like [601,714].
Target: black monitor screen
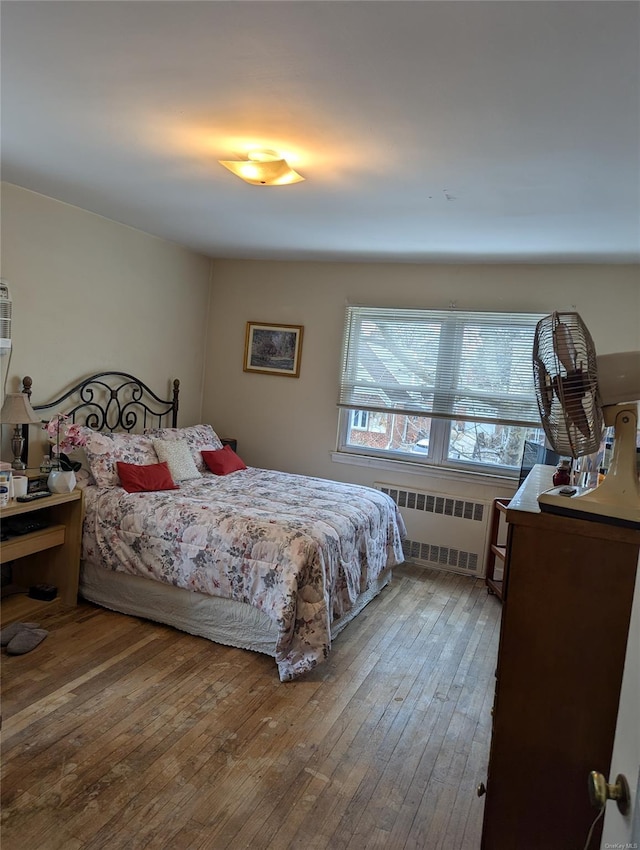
[534,453]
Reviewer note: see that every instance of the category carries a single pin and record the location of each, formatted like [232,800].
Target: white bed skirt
[220,620]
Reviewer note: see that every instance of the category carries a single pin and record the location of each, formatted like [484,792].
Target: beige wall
[91,295]
[291,424]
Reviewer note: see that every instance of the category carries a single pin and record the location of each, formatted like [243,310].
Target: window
[365,420]
[359,419]
[447,388]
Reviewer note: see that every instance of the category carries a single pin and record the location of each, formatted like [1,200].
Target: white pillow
[178,457]
[198,437]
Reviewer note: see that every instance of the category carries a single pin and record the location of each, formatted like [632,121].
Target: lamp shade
[263,168]
[17,410]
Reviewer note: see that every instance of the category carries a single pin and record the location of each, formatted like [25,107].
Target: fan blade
[578,417]
[564,346]
[544,386]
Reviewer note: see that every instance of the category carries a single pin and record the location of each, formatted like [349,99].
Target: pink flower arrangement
[68,436]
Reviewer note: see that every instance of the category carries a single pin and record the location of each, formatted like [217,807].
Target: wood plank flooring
[122,734]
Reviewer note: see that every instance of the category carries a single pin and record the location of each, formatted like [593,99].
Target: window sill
[413,468]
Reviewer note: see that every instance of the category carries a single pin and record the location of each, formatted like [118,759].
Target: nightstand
[50,555]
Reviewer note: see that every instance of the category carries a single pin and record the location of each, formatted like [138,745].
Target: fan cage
[565,375]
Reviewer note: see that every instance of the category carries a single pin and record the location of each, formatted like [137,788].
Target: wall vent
[443,531]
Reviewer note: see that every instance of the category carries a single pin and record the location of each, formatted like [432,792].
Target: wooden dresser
[566,610]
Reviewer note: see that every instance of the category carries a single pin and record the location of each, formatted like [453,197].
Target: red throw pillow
[144,479]
[223,461]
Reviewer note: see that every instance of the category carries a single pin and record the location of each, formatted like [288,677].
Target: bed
[263,560]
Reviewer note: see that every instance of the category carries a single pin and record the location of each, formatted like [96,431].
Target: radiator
[443,531]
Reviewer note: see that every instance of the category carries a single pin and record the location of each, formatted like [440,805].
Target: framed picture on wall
[273,349]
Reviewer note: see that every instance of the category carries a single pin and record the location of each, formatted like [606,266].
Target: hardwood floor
[119,733]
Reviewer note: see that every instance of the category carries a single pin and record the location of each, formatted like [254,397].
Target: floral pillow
[105,450]
[84,478]
[198,437]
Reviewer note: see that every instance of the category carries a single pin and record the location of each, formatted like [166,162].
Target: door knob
[600,791]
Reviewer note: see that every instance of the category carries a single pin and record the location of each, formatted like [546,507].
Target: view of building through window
[469,443]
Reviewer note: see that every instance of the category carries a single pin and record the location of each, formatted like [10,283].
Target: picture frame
[273,349]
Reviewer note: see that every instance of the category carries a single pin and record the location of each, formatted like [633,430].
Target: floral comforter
[300,549]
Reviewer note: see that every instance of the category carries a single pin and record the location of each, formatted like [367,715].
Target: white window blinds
[441,363]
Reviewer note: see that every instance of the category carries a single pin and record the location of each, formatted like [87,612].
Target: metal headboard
[113,401]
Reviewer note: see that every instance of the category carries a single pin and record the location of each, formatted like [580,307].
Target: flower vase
[61,482]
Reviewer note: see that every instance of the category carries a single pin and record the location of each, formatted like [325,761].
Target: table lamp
[17,411]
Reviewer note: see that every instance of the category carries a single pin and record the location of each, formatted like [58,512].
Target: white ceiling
[427,131]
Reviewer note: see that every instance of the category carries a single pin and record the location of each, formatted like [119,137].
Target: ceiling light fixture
[263,168]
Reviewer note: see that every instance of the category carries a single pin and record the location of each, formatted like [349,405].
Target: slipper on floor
[25,641]
[9,632]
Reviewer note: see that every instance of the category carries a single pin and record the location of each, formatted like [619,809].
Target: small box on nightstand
[37,480]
